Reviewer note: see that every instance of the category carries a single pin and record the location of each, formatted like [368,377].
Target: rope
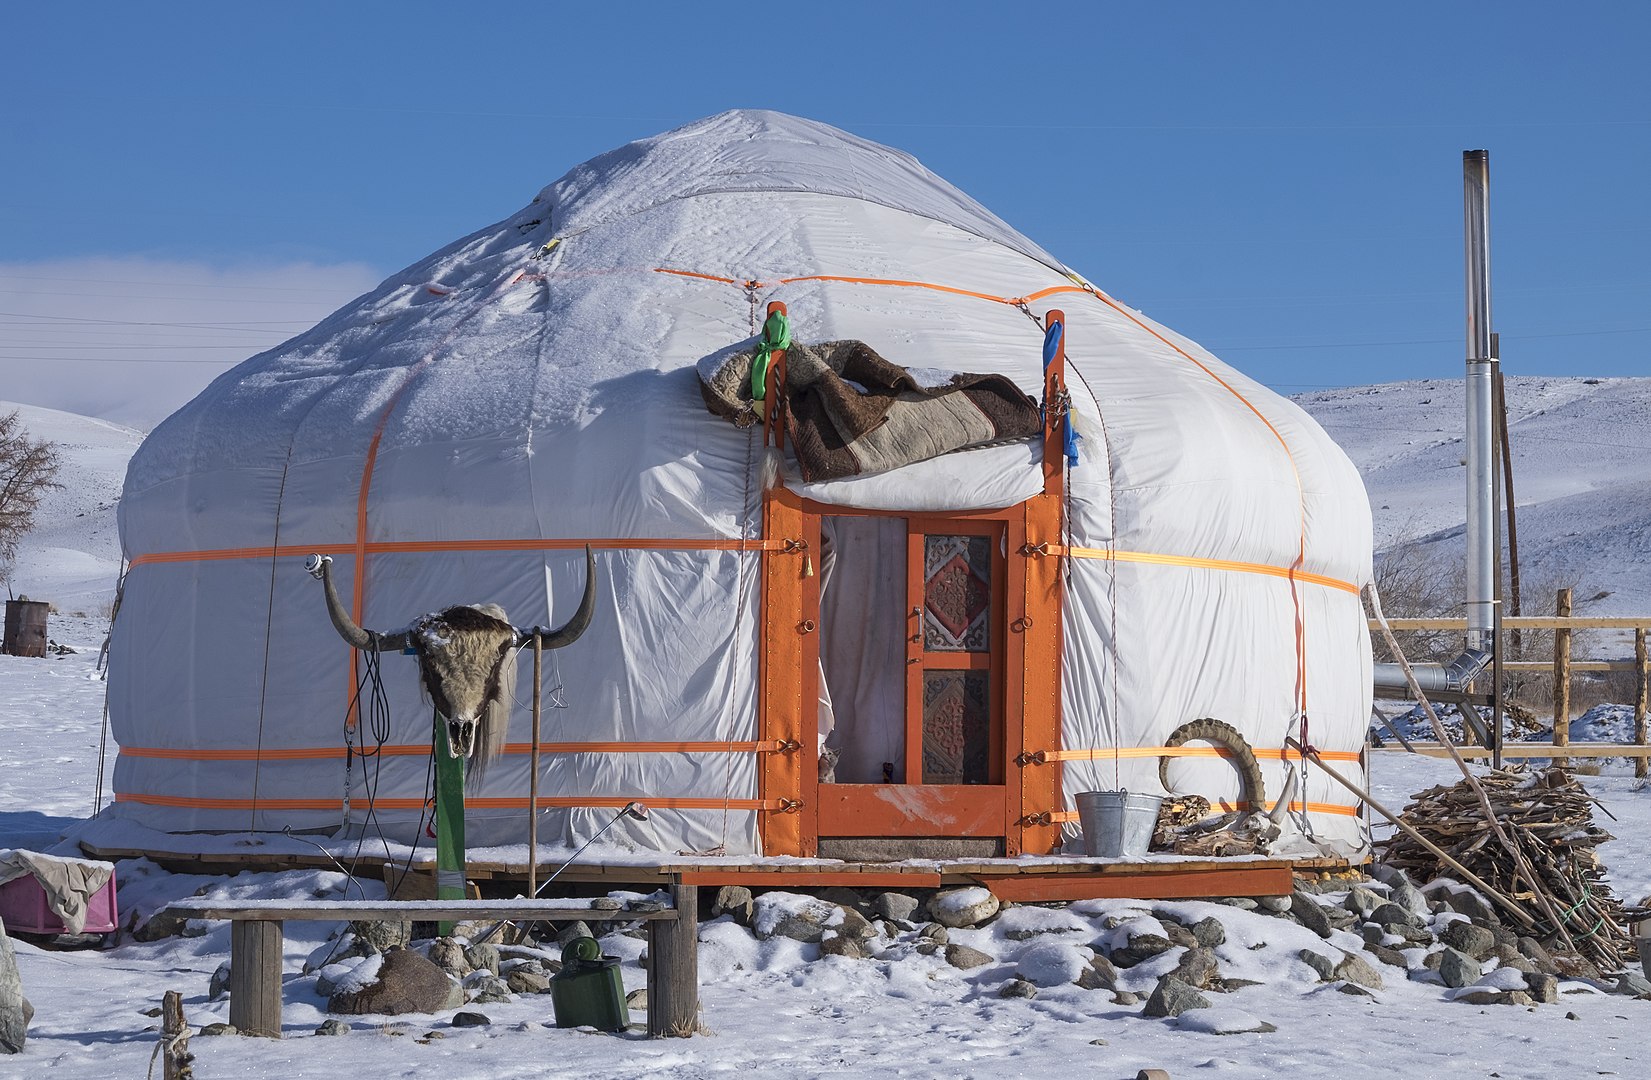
[103,673]
[739,618]
[269,630]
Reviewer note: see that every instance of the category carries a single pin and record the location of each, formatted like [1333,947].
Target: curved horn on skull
[320,567]
[569,632]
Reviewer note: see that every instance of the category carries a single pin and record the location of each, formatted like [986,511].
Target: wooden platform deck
[1030,879]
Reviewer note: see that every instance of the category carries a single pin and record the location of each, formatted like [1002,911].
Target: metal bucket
[1117,823]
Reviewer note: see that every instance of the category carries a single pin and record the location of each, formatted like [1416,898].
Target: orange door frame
[788,668]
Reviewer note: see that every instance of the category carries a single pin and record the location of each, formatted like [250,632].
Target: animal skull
[464,657]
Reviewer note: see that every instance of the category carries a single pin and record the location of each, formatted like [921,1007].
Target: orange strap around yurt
[191,802]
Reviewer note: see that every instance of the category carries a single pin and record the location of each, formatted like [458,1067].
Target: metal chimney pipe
[1482,540]
[1481,429]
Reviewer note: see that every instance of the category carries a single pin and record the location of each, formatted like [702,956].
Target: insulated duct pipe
[1455,676]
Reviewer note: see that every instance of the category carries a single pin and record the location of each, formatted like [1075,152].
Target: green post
[449,822]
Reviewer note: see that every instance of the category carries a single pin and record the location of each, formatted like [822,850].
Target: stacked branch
[1549,816]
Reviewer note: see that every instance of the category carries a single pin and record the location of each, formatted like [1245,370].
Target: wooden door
[958,661]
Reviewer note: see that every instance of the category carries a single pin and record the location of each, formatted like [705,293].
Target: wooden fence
[1564,624]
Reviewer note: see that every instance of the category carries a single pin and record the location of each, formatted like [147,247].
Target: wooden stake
[1639,698]
[533,778]
[1562,677]
[175,1056]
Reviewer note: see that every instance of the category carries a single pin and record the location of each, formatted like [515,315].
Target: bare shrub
[28,469]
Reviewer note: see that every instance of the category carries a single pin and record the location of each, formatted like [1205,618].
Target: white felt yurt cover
[505,395]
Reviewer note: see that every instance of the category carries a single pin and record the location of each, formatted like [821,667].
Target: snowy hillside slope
[72,556]
[1581,466]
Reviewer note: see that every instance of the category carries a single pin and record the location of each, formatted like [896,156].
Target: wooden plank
[783,709]
[1040,634]
[818,879]
[1576,665]
[404,910]
[1239,879]
[673,967]
[255,977]
[911,809]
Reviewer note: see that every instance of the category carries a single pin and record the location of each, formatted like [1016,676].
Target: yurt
[904,534]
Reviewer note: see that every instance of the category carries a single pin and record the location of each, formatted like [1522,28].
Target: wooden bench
[256,947]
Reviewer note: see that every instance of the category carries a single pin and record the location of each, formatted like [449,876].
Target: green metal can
[588,991]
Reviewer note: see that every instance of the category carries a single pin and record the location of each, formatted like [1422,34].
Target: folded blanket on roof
[851,412]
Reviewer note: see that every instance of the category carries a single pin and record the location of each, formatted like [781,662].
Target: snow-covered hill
[72,556]
[1581,467]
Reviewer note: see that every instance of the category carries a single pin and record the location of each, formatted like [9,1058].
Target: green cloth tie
[776,337]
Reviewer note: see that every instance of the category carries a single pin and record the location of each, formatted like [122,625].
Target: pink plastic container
[23,907]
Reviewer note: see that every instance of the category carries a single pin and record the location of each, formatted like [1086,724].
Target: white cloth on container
[69,884]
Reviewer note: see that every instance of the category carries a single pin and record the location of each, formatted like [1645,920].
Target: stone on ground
[1458,968]
[1172,997]
[1222,1021]
[837,943]
[1465,937]
[794,916]
[1209,932]
[1052,963]
[894,905]
[1309,913]
[470,1018]
[1198,968]
[1542,987]
[1355,969]
[448,954]
[1322,965]
[969,906]
[407,983]
[483,958]
[14,1007]
[1018,988]
[962,956]
[333,1026]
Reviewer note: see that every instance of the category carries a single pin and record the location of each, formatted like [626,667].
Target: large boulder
[15,1011]
[407,983]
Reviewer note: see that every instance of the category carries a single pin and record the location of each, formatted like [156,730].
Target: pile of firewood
[1550,817]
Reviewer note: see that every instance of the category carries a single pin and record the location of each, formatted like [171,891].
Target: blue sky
[1282,182]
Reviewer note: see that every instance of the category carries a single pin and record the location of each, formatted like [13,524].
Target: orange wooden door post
[1039,622]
